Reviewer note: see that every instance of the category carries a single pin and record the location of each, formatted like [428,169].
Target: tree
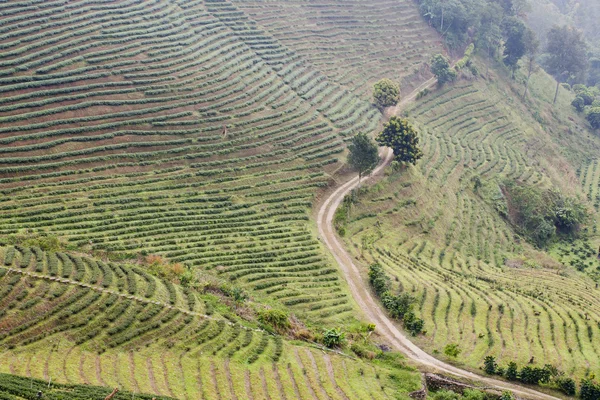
[567,386]
[514,44]
[532,48]
[400,135]
[593,116]
[512,373]
[440,67]
[589,390]
[489,365]
[489,35]
[363,155]
[578,103]
[386,93]
[567,54]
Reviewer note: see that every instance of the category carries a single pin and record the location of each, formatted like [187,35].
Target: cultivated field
[200,131]
[477,282]
[73,319]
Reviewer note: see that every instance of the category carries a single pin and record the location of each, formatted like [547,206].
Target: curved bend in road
[371,307]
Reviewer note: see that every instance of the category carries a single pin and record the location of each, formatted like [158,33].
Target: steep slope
[477,282]
[71,319]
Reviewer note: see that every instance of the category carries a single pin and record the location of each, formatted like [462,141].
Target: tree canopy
[440,67]
[566,55]
[386,93]
[402,137]
[363,155]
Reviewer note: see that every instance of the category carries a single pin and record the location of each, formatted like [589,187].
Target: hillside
[479,283]
[70,319]
[201,132]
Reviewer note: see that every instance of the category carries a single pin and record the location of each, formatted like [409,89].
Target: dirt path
[362,295]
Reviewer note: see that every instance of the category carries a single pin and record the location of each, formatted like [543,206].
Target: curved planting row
[175,127]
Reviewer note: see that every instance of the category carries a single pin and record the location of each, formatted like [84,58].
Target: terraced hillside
[478,283]
[73,319]
[181,128]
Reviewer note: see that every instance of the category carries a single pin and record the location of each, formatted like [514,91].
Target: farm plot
[176,127]
[431,228]
[77,320]
[354,43]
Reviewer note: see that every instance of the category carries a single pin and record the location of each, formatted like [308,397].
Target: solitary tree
[566,54]
[532,47]
[514,44]
[440,67]
[400,135]
[386,93]
[363,155]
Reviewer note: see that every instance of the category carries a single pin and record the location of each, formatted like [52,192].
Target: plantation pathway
[362,295]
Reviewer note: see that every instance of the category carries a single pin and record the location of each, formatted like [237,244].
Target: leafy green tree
[578,103]
[532,48]
[514,44]
[333,337]
[567,386]
[440,67]
[402,137]
[489,36]
[413,324]
[512,373]
[489,365]
[593,117]
[567,54]
[386,93]
[363,155]
[589,390]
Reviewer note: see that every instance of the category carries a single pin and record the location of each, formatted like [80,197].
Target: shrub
[567,386]
[445,395]
[489,365]
[472,394]
[452,350]
[333,337]
[512,373]
[593,117]
[277,319]
[589,390]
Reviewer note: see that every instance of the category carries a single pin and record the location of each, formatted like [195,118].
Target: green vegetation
[440,67]
[363,155]
[402,137]
[386,93]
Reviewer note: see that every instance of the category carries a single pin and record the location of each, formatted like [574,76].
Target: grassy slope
[447,245]
[75,320]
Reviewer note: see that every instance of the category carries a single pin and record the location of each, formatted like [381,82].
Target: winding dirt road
[362,294]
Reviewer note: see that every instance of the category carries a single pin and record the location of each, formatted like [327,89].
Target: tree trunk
[556,94]
[527,83]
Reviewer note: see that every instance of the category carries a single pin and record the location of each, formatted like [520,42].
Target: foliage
[578,103]
[593,117]
[46,242]
[589,390]
[506,395]
[440,67]
[378,279]
[277,319]
[512,372]
[402,137]
[489,365]
[161,267]
[452,350]
[333,337]
[566,385]
[363,155]
[445,395]
[566,55]
[473,394]
[541,214]
[400,306]
[386,93]
[514,44]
